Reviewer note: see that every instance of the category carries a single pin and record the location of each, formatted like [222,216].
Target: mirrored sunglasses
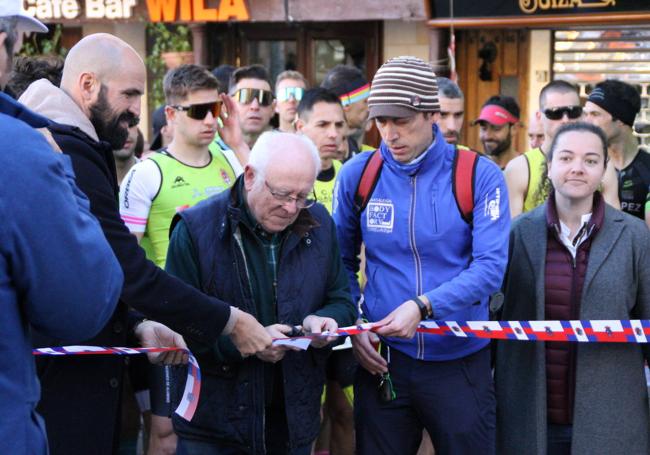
[247,95]
[287,93]
[199,111]
[556,113]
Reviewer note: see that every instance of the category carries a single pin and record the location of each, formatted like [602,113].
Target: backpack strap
[464,170]
[368,181]
[463,173]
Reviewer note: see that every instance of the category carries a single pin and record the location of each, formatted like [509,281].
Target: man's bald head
[105,55]
[105,77]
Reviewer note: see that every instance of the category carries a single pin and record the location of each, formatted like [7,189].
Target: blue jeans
[454,400]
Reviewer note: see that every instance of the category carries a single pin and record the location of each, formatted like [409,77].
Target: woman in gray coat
[574,257]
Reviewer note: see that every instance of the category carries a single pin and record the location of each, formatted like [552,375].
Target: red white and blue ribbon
[190,398]
[581,331]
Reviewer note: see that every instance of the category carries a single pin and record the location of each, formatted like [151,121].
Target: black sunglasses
[199,111]
[247,95]
[556,113]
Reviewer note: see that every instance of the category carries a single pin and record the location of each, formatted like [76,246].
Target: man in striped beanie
[436,248]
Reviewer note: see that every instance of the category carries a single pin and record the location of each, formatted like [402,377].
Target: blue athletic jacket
[417,243]
[58,274]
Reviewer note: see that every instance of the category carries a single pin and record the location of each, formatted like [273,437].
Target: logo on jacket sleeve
[492,206]
[380,215]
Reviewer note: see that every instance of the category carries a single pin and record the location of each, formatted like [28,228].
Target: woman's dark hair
[582,127]
[545,186]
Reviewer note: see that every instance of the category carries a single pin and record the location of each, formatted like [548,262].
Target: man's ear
[249,177]
[300,124]
[3,38]
[89,87]
[170,114]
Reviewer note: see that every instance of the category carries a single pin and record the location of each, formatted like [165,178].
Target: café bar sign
[158,10]
[519,8]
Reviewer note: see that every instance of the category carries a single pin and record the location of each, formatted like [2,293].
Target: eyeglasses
[556,113]
[247,95]
[287,93]
[302,202]
[199,111]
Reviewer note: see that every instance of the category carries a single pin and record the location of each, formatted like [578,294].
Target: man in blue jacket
[423,261]
[58,274]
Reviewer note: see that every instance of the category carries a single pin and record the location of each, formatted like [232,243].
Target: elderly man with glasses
[267,248]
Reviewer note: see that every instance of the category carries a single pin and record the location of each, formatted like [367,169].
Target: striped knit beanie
[402,87]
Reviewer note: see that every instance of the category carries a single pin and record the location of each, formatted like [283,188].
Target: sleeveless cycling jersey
[159,187]
[536,174]
[324,189]
[633,182]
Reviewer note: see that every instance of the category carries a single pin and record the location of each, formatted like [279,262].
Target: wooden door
[480,79]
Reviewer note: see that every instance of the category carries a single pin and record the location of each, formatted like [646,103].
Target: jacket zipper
[240,246]
[416,257]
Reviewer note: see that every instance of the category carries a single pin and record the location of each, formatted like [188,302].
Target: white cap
[26,23]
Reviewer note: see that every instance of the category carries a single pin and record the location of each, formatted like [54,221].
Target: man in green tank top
[183,173]
[559,103]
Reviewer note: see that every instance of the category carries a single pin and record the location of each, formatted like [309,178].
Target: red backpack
[463,172]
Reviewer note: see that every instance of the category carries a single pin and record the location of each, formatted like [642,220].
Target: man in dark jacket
[266,248]
[103,80]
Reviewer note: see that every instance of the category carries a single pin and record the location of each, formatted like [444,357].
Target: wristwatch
[424,310]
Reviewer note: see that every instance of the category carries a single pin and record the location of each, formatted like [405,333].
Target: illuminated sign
[195,10]
[159,10]
[532,6]
[525,8]
[47,10]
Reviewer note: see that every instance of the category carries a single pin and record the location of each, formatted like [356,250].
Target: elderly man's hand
[401,322]
[249,336]
[274,354]
[152,334]
[313,325]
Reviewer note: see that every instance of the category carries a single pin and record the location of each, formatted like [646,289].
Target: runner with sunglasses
[186,171]
[290,87]
[250,88]
[559,103]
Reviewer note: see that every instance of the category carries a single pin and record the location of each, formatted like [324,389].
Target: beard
[109,125]
[500,147]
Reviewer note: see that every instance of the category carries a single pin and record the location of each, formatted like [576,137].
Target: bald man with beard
[99,99]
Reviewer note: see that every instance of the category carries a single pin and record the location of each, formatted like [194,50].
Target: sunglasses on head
[247,95]
[286,93]
[199,111]
[556,113]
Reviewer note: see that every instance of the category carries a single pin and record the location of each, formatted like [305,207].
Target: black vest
[231,405]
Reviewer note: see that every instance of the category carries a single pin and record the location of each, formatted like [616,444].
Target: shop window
[586,57]
[331,52]
[276,56]
[312,48]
